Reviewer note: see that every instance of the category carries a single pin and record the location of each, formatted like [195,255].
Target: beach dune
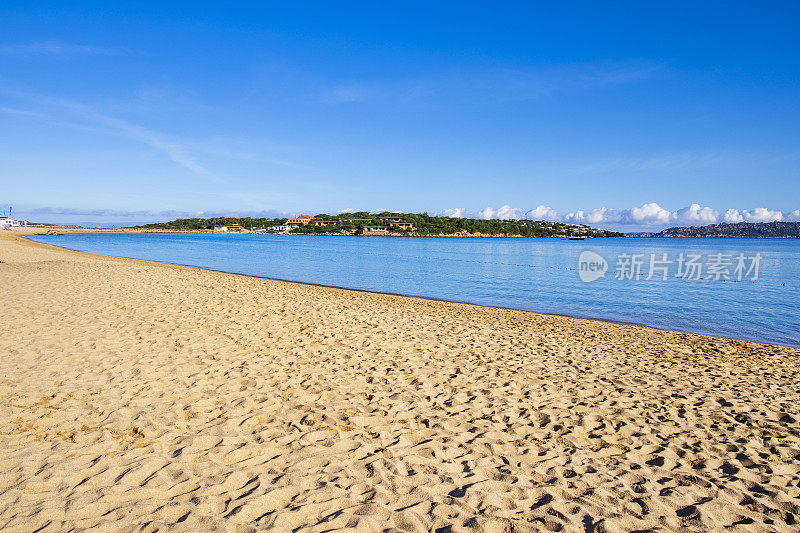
[141,396]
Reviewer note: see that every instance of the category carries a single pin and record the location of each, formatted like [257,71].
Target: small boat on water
[576,237]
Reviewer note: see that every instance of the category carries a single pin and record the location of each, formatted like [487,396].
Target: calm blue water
[531,274]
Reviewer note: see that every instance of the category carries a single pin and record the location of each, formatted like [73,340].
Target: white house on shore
[10,223]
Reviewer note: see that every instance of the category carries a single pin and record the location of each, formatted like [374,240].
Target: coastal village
[350,225]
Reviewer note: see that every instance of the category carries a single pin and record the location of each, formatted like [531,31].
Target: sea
[735,288]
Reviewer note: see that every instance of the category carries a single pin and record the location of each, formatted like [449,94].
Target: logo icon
[591,266]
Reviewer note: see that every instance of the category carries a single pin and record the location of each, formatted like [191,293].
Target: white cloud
[503,213]
[486,213]
[648,215]
[733,216]
[507,212]
[759,214]
[542,212]
[652,214]
[575,216]
[696,215]
[595,216]
[456,212]
[762,214]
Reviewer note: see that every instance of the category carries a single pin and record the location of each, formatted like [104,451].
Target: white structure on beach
[9,223]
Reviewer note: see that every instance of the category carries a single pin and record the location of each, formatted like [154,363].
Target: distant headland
[784,230]
[384,224]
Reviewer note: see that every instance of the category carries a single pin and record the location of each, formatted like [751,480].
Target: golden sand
[141,396]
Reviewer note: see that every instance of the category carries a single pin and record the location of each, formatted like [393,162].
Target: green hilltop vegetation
[423,225]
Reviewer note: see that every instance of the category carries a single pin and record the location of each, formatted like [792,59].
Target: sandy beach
[141,396]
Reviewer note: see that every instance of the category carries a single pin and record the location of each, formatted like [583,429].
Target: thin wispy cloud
[491,84]
[20,112]
[58,48]
[161,214]
[181,150]
[175,149]
[78,115]
[680,163]
[671,161]
[246,149]
[75,211]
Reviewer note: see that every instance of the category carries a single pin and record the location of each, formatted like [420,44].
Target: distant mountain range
[784,230]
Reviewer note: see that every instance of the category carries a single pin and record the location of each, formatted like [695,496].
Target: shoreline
[145,395]
[412,296]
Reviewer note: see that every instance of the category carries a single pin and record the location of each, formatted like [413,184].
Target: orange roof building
[302,219]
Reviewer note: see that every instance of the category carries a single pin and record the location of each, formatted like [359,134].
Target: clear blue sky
[621,114]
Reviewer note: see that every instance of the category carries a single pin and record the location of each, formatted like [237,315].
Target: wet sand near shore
[141,396]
